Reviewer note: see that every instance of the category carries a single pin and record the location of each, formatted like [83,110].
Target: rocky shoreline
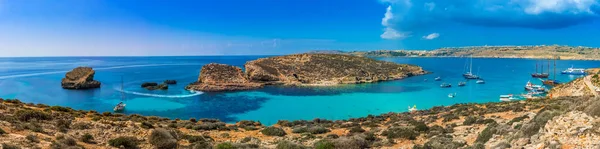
[300,69]
[517,124]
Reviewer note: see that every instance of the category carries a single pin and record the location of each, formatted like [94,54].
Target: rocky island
[301,69]
[80,78]
[220,77]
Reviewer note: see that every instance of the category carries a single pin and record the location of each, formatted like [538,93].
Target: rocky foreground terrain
[80,78]
[301,69]
[564,122]
[534,52]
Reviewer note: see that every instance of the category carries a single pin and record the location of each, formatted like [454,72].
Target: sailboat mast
[554,74]
[122,91]
[471,66]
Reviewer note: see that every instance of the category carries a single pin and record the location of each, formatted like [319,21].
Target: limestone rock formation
[326,69]
[170,82]
[576,87]
[147,84]
[80,78]
[157,87]
[220,77]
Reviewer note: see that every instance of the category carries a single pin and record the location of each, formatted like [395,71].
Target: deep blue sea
[37,80]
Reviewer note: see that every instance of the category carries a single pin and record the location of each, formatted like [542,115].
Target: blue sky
[257,27]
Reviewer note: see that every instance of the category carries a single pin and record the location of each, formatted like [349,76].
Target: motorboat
[451,95]
[438,79]
[574,71]
[462,83]
[480,81]
[508,97]
[445,85]
[532,87]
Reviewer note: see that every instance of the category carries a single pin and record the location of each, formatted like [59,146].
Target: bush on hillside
[87,138]
[9,146]
[400,132]
[27,115]
[487,133]
[289,145]
[126,142]
[273,131]
[162,139]
[324,144]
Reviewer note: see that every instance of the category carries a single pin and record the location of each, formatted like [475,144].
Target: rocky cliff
[326,69]
[576,87]
[80,78]
[220,77]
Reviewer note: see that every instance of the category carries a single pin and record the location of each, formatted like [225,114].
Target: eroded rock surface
[326,69]
[80,78]
[220,77]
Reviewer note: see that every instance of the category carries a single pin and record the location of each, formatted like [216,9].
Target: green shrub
[273,131]
[210,126]
[225,145]
[81,125]
[444,142]
[300,129]
[9,146]
[470,120]
[353,142]
[27,115]
[592,109]
[193,139]
[324,144]
[63,124]
[2,132]
[33,126]
[400,132]
[517,119]
[126,142]
[356,129]
[60,109]
[33,138]
[162,139]
[318,130]
[193,120]
[487,133]
[87,138]
[289,145]
[420,126]
[146,125]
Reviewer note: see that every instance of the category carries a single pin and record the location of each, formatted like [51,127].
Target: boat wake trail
[194,93]
[105,68]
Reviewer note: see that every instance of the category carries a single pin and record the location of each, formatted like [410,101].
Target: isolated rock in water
[148,84]
[220,77]
[326,69]
[80,78]
[170,82]
[158,87]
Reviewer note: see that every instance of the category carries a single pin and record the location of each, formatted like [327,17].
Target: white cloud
[389,32]
[560,6]
[416,16]
[431,36]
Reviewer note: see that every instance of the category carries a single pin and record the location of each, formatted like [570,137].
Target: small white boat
[412,109]
[480,81]
[120,107]
[508,97]
[451,95]
[445,85]
[462,83]
[438,79]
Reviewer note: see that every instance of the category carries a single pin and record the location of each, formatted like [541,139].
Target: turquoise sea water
[38,80]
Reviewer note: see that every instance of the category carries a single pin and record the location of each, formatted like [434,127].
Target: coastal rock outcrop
[170,82]
[576,87]
[326,69]
[80,78]
[147,84]
[220,77]
[157,87]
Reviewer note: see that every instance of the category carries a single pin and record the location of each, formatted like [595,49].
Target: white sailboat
[121,106]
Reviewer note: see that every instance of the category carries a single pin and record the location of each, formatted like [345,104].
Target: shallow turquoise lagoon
[38,80]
